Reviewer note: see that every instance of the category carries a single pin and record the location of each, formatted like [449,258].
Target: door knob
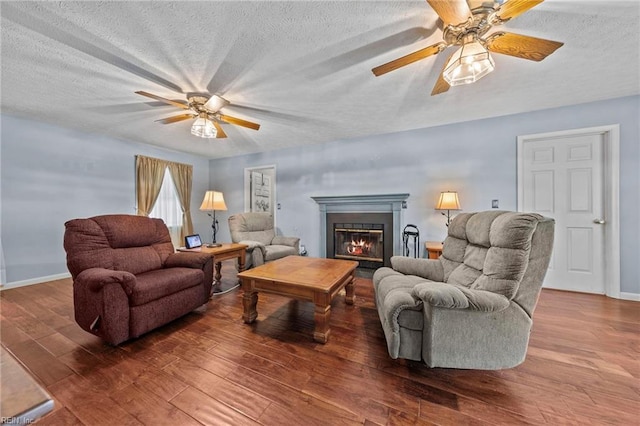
[598,221]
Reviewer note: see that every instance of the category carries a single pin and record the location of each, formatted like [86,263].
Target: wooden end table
[306,278]
[434,249]
[223,252]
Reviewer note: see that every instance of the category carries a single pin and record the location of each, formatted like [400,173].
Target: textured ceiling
[300,69]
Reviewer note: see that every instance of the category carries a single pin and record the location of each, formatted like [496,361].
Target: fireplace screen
[360,241]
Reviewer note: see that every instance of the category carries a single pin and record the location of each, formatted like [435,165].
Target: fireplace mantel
[377,203]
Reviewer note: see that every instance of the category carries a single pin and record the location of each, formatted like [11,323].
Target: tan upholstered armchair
[256,230]
[127,280]
[472,307]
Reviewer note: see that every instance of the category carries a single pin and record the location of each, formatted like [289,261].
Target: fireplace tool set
[411,232]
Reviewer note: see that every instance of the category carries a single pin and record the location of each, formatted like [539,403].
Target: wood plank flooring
[582,368]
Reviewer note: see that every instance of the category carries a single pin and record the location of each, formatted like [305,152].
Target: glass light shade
[448,201]
[213,200]
[204,128]
[468,65]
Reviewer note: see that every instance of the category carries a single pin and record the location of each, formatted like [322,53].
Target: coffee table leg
[249,302]
[321,318]
[349,288]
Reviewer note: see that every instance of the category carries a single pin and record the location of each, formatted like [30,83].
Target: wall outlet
[494,204]
[279,206]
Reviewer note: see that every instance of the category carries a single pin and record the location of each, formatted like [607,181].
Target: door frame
[611,196]
[247,188]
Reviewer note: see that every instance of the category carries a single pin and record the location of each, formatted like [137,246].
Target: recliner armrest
[252,245]
[187,260]
[451,296]
[430,269]
[96,278]
[287,241]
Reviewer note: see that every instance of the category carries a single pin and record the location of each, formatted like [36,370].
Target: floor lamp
[213,200]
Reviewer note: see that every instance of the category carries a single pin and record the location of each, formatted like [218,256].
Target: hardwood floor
[582,368]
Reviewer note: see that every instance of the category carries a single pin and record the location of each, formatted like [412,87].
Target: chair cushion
[253,227]
[156,284]
[132,231]
[495,255]
[277,251]
[134,244]
[136,260]
[479,226]
[263,237]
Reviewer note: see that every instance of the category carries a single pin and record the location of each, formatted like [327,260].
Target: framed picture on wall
[261,193]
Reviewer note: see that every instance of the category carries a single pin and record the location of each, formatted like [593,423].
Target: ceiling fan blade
[513,8]
[238,121]
[521,46]
[409,59]
[220,133]
[452,12]
[441,85]
[176,118]
[165,100]
[215,103]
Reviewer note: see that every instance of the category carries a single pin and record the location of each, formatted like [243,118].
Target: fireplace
[373,222]
[359,241]
[365,237]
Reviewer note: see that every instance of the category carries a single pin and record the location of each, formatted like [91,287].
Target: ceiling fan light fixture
[204,128]
[469,64]
[215,103]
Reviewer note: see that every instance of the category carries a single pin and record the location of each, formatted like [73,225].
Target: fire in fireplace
[365,234]
[359,241]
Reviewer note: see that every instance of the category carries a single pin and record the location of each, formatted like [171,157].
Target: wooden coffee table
[306,278]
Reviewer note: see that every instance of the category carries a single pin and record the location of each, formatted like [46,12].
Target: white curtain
[167,208]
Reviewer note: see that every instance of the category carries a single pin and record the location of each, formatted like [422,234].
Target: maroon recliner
[127,280]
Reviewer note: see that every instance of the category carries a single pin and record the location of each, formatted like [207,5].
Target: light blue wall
[50,175]
[476,158]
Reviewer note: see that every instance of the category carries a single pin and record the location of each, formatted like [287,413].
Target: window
[163,190]
[167,208]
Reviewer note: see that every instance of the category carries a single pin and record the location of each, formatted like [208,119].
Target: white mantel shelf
[360,199]
[375,203]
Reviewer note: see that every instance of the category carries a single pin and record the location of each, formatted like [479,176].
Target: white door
[563,178]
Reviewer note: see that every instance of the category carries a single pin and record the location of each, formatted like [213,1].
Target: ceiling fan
[466,23]
[206,111]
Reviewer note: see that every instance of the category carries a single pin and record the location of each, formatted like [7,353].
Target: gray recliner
[471,308]
[256,230]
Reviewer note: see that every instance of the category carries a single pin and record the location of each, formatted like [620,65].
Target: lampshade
[203,127]
[213,200]
[468,65]
[448,201]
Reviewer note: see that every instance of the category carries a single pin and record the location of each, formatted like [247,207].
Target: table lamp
[213,200]
[448,201]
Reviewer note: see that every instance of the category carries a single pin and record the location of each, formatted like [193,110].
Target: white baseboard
[622,295]
[33,281]
[630,296]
